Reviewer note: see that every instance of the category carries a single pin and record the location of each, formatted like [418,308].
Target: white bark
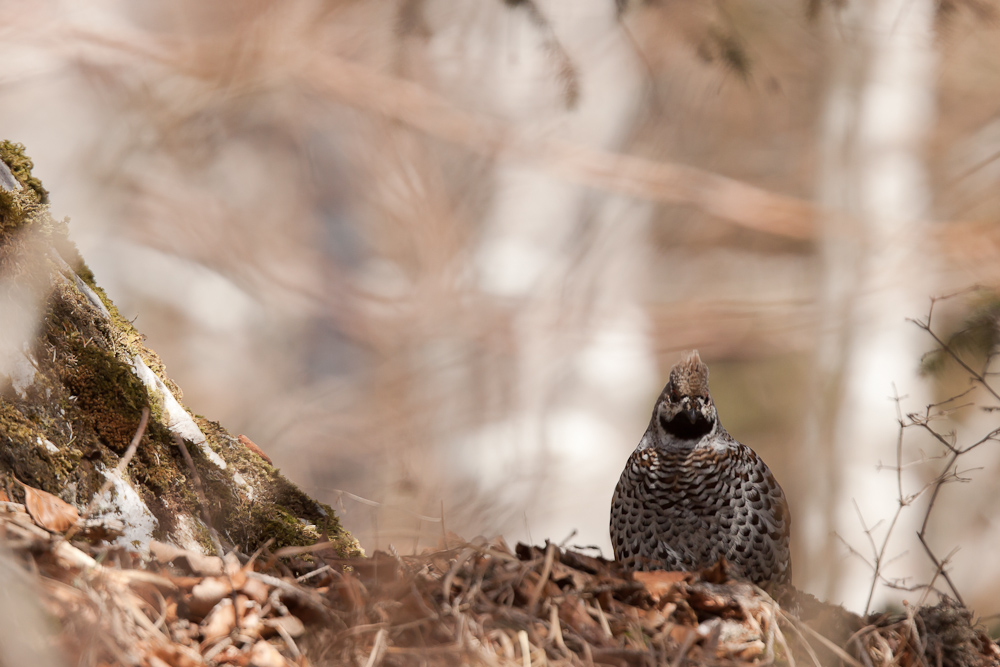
[569,260]
[879,111]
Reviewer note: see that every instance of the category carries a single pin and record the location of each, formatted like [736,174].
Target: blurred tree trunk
[880,107]
[563,276]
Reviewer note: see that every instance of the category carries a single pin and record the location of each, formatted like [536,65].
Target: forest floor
[467,603]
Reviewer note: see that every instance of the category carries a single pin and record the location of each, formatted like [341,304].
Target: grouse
[691,494]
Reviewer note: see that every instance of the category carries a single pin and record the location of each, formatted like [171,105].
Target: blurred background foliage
[436,258]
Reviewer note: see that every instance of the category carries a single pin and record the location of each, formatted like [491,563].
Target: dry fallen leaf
[660,582]
[573,613]
[256,590]
[251,622]
[48,511]
[207,594]
[680,633]
[290,624]
[198,563]
[252,446]
[265,655]
[219,622]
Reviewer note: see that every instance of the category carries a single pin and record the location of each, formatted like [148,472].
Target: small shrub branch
[948,460]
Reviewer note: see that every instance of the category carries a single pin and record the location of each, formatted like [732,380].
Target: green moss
[29,206]
[20,207]
[101,399]
[271,506]
[16,428]
[204,539]
[273,521]
[974,338]
[24,454]
[21,165]
[87,401]
[109,395]
[129,338]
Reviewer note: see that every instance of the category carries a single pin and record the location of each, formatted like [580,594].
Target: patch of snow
[80,285]
[123,503]
[91,296]
[187,527]
[239,479]
[47,444]
[178,420]
[7,180]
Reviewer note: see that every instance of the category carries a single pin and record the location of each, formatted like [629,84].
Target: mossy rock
[74,379]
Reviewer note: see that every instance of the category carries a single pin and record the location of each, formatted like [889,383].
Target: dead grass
[470,603]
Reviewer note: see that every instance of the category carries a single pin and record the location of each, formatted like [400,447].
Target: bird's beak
[691,414]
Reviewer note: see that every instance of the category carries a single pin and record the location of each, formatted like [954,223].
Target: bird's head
[685,409]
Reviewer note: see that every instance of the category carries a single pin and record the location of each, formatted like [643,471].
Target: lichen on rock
[74,378]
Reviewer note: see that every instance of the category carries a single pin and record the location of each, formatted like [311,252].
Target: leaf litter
[475,603]
[47,510]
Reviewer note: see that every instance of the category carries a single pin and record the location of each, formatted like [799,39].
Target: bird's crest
[689,376]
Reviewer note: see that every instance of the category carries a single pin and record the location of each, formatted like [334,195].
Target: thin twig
[290,642]
[375,503]
[938,483]
[949,472]
[315,573]
[978,377]
[256,554]
[556,627]
[689,640]
[444,533]
[299,594]
[915,635]
[550,552]
[800,626]
[903,501]
[206,515]
[940,568]
[522,638]
[117,473]
[375,657]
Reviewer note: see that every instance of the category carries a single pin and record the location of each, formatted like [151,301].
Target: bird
[690,494]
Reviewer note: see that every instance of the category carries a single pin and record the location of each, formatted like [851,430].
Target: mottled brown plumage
[691,494]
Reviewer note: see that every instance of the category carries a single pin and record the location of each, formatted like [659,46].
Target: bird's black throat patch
[683,428]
